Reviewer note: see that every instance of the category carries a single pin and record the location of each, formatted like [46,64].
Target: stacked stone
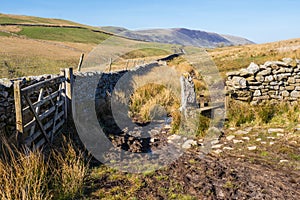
[274,80]
[7,104]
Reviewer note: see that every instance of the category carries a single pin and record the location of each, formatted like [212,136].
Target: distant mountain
[182,36]
[113,29]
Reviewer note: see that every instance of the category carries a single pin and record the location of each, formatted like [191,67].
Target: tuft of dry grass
[28,175]
[23,176]
[145,102]
[70,172]
[280,113]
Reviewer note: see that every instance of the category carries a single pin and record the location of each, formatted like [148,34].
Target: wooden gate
[42,109]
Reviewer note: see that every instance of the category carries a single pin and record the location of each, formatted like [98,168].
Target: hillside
[186,37]
[237,57]
[33,45]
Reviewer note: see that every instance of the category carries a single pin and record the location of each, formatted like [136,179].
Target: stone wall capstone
[272,81]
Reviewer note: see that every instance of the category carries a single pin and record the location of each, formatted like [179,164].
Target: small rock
[246,138]
[227,148]
[239,82]
[271,138]
[241,132]
[263,142]
[295,94]
[232,129]
[188,144]
[218,151]
[218,146]
[237,141]
[252,148]
[230,137]
[174,137]
[283,161]
[248,129]
[275,130]
[258,140]
[271,143]
[216,141]
[280,135]
[253,68]
[167,126]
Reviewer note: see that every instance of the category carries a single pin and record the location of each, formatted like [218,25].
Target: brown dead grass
[233,58]
[11,29]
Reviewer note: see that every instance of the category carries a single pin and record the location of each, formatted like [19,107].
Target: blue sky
[258,20]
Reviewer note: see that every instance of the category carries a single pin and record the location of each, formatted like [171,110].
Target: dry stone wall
[272,81]
[7,104]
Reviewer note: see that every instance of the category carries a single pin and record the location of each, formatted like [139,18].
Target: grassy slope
[237,57]
[33,50]
[63,34]
[6,18]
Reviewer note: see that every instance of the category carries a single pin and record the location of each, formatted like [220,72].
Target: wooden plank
[80,62]
[37,118]
[37,86]
[18,110]
[42,116]
[55,115]
[42,101]
[210,108]
[37,134]
[42,141]
[69,89]
[37,109]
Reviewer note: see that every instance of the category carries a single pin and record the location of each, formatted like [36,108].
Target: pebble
[227,148]
[217,146]
[246,138]
[280,135]
[241,132]
[174,137]
[271,143]
[283,161]
[188,144]
[248,129]
[216,141]
[237,141]
[218,151]
[167,126]
[271,138]
[263,142]
[275,130]
[230,137]
[232,129]
[252,148]
[258,140]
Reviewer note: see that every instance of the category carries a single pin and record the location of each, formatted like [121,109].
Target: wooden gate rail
[39,121]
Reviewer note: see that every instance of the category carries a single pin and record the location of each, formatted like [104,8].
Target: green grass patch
[146,52]
[9,20]
[64,34]
[5,34]
[13,66]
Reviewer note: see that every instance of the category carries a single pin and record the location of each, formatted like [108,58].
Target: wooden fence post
[80,62]
[18,109]
[69,90]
